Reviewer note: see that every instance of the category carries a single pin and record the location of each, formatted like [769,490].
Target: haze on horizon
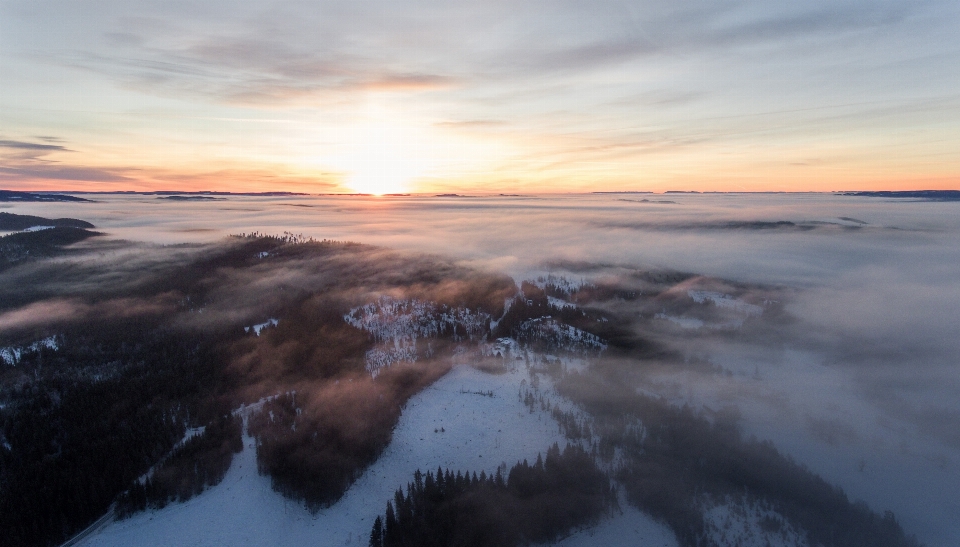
[495,96]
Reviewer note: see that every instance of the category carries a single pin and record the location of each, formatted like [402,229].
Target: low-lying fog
[864,388]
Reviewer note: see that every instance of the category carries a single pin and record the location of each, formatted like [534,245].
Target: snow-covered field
[629,527]
[451,424]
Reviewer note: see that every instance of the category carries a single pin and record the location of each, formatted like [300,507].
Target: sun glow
[383,155]
[385,149]
[382,167]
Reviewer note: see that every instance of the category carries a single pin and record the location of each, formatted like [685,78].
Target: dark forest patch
[12,221]
[200,462]
[12,195]
[22,246]
[536,503]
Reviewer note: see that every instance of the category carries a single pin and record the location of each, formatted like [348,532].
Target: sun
[386,150]
[384,155]
[381,170]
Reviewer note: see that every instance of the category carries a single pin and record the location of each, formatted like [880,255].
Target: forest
[536,503]
[199,462]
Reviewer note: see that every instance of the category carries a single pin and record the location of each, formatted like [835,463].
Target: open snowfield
[447,425]
[629,527]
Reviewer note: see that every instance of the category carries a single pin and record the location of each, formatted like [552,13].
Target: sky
[493,96]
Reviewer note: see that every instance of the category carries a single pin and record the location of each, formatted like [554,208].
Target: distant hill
[931,195]
[12,195]
[11,221]
[179,197]
[21,246]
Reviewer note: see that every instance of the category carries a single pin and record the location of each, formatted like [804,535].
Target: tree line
[200,462]
[535,503]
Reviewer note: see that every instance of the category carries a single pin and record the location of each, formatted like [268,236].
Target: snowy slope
[479,432]
[630,527]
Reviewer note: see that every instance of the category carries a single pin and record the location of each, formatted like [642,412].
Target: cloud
[42,313]
[21,145]
[61,311]
[337,47]
[61,172]
[27,161]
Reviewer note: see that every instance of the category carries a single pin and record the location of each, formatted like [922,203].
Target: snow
[627,527]
[561,336]
[449,425]
[49,342]
[11,354]
[559,303]
[400,320]
[191,433]
[260,326]
[501,347]
[398,323]
[726,301]
[739,523]
[442,426]
[561,283]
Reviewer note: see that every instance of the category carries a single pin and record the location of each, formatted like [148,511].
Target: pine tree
[376,535]
[390,532]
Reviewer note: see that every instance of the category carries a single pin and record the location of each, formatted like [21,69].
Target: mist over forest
[782,367]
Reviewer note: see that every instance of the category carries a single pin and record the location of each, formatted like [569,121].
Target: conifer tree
[376,535]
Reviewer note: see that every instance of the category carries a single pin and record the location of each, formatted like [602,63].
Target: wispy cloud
[22,145]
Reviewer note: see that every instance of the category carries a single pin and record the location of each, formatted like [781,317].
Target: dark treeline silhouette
[200,461]
[676,461]
[13,195]
[22,246]
[535,503]
[93,416]
[12,221]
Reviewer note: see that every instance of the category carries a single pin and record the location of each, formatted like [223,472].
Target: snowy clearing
[451,424]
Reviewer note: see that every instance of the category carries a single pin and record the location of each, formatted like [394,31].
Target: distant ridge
[929,195]
[12,195]
[191,197]
[11,221]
